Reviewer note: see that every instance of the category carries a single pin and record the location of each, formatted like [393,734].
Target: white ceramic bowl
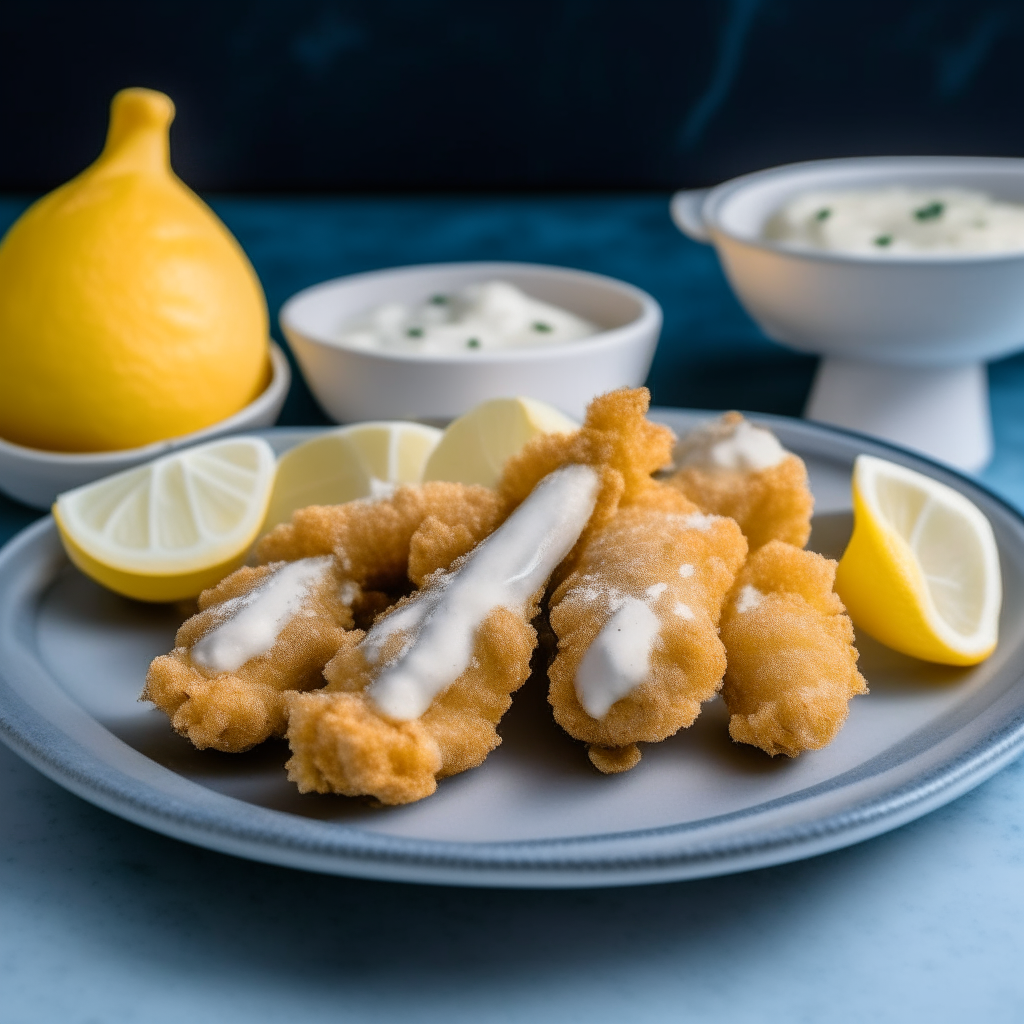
[906,335]
[35,477]
[355,384]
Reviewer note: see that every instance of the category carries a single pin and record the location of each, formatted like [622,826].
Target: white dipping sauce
[721,445]
[491,315]
[895,221]
[503,571]
[252,622]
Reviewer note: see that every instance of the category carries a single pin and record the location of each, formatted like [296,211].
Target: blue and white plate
[73,658]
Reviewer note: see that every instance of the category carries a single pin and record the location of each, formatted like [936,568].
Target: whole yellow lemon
[128,312]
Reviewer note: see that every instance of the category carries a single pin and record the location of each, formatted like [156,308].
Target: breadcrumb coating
[342,743]
[769,504]
[792,664]
[233,711]
[615,438]
[373,540]
[688,562]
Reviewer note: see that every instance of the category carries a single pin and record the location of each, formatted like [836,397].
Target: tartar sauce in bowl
[489,315]
[899,221]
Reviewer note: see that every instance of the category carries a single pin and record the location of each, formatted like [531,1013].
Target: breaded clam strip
[792,663]
[729,467]
[259,632]
[636,621]
[418,697]
[374,539]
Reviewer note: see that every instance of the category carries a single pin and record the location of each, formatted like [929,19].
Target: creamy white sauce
[722,445]
[504,571]
[491,315]
[893,221]
[252,622]
[749,598]
[619,658]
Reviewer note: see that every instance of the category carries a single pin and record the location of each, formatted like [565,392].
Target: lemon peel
[128,312]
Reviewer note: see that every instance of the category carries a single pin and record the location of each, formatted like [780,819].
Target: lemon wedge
[476,446]
[921,572]
[365,460]
[169,529]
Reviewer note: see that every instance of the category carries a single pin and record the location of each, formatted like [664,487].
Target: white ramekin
[355,384]
[35,477]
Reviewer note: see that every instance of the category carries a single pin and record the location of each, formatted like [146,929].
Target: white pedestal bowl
[905,339]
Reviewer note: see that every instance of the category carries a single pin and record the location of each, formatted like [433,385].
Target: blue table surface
[103,921]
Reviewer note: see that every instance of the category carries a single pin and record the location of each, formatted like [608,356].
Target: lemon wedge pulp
[364,460]
[921,572]
[169,529]
[476,446]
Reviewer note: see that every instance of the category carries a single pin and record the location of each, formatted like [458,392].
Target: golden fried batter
[374,539]
[657,574]
[792,666]
[342,743]
[346,739]
[770,503]
[616,438]
[236,709]
[421,693]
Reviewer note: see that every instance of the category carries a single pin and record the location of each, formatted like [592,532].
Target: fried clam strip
[259,632]
[792,664]
[729,467]
[382,544]
[419,696]
[637,627]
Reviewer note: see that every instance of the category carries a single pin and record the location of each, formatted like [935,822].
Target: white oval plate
[73,657]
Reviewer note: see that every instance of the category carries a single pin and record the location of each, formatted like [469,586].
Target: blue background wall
[384,95]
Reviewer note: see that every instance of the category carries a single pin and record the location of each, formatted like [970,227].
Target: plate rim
[641,856]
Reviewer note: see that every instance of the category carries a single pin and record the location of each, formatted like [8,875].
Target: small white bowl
[35,477]
[905,337]
[355,384]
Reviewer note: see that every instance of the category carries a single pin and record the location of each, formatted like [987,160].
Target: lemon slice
[921,572]
[169,529]
[476,446]
[365,460]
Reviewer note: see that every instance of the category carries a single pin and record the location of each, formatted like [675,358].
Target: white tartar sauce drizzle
[894,220]
[748,599]
[491,315]
[725,445]
[253,622]
[619,658]
[504,571]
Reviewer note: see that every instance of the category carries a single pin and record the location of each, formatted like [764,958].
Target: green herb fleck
[542,327]
[883,240]
[439,300]
[930,212]
[823,214]
[473,343]
[415,332]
